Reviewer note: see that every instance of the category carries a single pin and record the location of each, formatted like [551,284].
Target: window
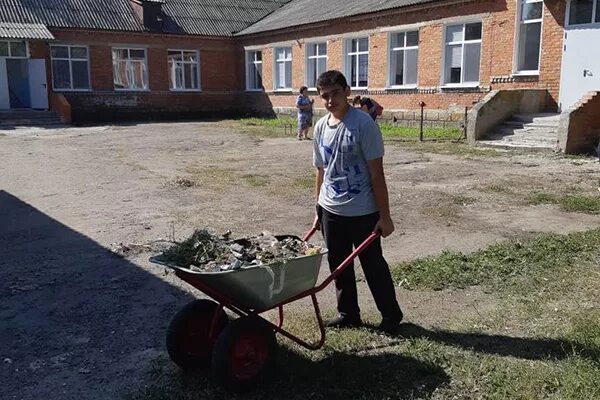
[70,67]
[283,68]
[463,54]
[529,35]
[254,70]
[584,12]
[13,49]
[404,52]
[130,69]
[184,73]
[357,62]
[316,62]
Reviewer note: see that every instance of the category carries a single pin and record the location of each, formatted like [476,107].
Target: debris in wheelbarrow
[206,252]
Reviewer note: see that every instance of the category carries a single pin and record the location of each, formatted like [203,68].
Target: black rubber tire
[244,354]
[188,343]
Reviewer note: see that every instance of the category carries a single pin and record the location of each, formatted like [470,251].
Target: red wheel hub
[249,355]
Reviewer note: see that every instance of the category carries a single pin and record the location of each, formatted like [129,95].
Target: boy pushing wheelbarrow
[352,211]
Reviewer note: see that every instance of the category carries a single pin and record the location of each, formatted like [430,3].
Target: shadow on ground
[76,321]
[525,348]
[337,376]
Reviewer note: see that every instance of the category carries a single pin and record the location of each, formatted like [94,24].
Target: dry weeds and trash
[205,252]
[181,182]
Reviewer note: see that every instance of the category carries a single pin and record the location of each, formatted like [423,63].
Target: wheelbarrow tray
[259,287]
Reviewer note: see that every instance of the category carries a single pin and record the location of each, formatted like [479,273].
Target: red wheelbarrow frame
[226,302]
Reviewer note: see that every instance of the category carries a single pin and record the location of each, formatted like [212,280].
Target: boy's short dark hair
[331,78]
[302,89]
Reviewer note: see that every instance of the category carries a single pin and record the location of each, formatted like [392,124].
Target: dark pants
[341,234]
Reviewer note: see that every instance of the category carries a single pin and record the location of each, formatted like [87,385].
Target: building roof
[216,17]
[91,14]
[193,17]
[302,12]
[15,30]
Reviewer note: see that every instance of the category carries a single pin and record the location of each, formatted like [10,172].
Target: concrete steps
[535,132]
[29,118]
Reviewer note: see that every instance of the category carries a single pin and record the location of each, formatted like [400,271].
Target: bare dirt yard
[78,321]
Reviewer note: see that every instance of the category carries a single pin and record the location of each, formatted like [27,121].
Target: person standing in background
[304,104]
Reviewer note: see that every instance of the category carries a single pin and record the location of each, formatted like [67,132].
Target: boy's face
[335,98]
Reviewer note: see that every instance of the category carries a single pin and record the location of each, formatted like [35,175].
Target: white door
[37,84]
[581,57]
[4,94]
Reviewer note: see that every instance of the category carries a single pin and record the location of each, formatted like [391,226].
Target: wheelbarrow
[242,351]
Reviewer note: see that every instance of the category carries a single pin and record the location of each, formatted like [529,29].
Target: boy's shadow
[525,348]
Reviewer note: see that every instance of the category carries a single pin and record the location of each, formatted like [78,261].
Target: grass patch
[420,364]
[210,176]
[256,180]
[461,200]
[460,149]
[266,127]
[268,122]
[570,203]
[502,264]
[391,131]
[304,182]
[546,355]
[498,188]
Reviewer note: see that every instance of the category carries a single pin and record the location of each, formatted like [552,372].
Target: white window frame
[197,63]
[254,61]
[445,43]
[595,7]
[518,44]
[70,60]
[315,58]
[281,61]
[147,76]
[403,48]
[348,53]
[9,51]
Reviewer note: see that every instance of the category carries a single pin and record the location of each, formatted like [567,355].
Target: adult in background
[304,104]
[352,201]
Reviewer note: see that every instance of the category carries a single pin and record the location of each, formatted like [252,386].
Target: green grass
[391,131]
[304,182]
[256,180]
[268,122]
[499,265]
[570,203]
[460,149]
[545,343]
[266,127]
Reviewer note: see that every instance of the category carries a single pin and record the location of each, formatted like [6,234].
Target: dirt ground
[79,322]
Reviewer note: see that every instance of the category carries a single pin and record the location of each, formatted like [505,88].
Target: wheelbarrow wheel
[244,354]
[189,342]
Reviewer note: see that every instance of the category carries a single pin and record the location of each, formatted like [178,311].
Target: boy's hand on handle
[385,226]
[316,225]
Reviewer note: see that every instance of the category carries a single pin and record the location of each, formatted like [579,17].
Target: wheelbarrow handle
[310,234]
[367,242]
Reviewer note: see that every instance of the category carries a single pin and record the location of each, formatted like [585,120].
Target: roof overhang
[17,30]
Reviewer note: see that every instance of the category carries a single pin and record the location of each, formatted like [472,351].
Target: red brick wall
[580,130]
[222,61]
[497,53]
[222,78]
